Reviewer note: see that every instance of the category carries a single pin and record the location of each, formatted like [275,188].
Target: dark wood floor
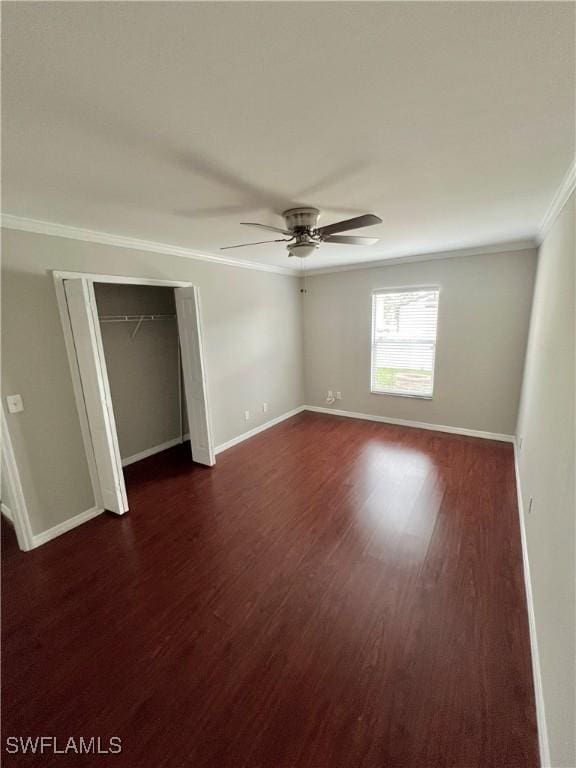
[333,594]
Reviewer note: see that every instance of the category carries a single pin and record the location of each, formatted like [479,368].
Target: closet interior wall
[143,363]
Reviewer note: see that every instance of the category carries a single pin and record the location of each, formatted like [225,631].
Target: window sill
[402,394]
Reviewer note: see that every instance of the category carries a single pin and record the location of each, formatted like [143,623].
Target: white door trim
[59,278]
[20,517]
[94,277]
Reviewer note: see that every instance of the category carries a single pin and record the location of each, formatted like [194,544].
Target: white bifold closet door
[85,327]
[94,378]
[195,389]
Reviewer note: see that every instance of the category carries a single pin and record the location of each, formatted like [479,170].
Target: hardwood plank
[333,594]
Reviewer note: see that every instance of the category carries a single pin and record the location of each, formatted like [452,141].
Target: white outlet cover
[15,404]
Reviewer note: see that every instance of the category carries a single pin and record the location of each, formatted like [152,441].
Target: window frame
[403,289]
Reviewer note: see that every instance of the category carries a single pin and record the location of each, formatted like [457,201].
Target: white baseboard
[416,424]
[246,435]
[155,449]
[368,417]
[536,673]
[7,512]
[73,522]
[67,525]
[83,517]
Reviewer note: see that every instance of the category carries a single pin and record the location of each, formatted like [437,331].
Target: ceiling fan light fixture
[303,249]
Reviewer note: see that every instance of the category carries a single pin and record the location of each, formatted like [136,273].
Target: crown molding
[511,245]
[23,224]
[567,186]
[106,238]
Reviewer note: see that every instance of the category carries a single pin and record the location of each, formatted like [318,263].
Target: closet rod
[132,318]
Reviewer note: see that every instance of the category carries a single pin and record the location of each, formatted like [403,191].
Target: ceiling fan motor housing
[301,219]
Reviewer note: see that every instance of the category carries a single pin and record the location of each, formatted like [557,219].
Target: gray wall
[483,322]
[143,371]
[547,459]
[254,346]
[253,339]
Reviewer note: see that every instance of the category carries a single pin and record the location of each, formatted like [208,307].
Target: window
[404,341]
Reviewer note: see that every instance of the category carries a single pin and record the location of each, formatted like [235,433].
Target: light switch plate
[15,404]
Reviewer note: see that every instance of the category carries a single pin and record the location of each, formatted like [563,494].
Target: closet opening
[141,348]
[136,356]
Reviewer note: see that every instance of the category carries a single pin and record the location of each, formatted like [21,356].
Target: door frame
[11,476]
[59,278]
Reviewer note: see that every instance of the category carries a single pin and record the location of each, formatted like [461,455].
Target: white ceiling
[173,122]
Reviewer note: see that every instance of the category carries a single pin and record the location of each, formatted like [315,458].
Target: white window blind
[404,341]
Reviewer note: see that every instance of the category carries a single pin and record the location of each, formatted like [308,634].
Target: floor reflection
[397,519]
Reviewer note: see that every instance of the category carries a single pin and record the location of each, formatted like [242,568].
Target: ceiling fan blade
[260,242]
[265,226]
[367,220]
[350,240]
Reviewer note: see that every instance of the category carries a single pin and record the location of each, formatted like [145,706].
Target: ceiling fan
[304,235]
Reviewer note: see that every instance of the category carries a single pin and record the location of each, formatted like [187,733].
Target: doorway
[82,323]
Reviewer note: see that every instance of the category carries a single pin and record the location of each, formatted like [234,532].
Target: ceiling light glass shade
[302,249]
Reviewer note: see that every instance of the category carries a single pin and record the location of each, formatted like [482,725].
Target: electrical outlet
[15,404]
[246,415]
[264,407]
[338,395]
[530,505]
[330,393]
